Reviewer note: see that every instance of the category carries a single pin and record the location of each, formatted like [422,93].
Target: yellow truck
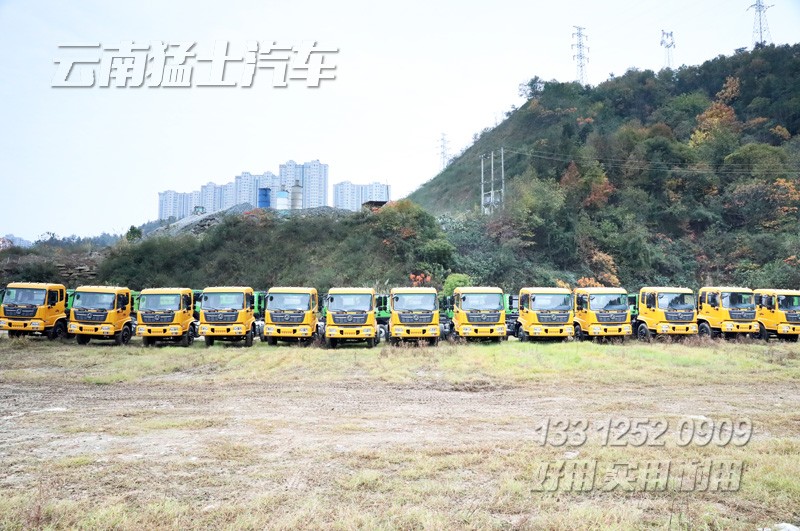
[664,311]
[101,312]
[350,316]
[601,313]
[778,314]
[414,315]
[544,313]
[34,308]
[166,314]
[478,313]
[227,314]
[726,310]
[290,315]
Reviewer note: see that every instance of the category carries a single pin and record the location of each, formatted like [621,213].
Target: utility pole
[760,29]
[483,193]
[668,42]
[502,178]
[443,152]
[491,197]
[581,52]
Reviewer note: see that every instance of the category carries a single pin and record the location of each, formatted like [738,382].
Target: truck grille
[88,316]
[221,317]
[285,317]
[793,317]
[416,318]
[679,316]
[166,317]
[608,317]
[349,319]
[743,315]
[19,312]
[475,317]
[552,317]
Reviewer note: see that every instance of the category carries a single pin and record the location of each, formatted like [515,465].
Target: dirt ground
[192,448]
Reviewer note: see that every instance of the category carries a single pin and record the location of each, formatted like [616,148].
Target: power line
[760,28]
[581,53]
[668,42]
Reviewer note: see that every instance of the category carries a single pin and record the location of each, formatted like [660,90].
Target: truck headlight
[786,329]
[729,326]
[664,329]
[596,329]
[304,330]
[332,329]
[2,322]
[693,328]
[569,329]
[140,330]
[537,329]
[626,328]
[238,329]
[174,329]
[467,329]
[367,331]
[433,331]
[105,328]
[397,330]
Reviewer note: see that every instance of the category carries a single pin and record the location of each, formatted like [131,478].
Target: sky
[89,160]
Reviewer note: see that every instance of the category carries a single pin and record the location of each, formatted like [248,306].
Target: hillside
[686,176]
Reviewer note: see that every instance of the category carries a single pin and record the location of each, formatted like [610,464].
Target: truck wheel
[433,341]
[791,338]
[762,333]
[272,341]
[330,342]
[248,338]
[371,342]
[59,331]
[187,338]
[148,341]
[578,333]
[383,332]
[209,341]
[82,339]
[642,333]
[703,330]
[123,337]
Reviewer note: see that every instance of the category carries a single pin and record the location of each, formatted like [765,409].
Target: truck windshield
[29,296]
[160,302]
[350,302]
[223,301]
[94,301]
[482,301]
[738,300]
[608,301]
[789,302]
[425,302]
[289,301]
[554,301]
[675,301]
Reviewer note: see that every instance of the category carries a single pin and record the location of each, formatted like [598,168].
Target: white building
[351,196]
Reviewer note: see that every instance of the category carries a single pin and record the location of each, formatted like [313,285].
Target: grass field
[449,437]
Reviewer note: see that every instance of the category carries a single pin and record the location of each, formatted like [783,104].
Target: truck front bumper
[288,331]
[99,329]
[32,325]
[738,327]
[684,329]
[411,332]
[223,330]
[540,330]
[602,330]
[170,330]
[494,330]
[350,332]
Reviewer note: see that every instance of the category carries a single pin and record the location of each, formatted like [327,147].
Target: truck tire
[148,341]
[371,342]
[643,333]
[433,341]
[187,338]
[248,338]
[330,343]
[82,339]
[59,331]
[762,333]
[123,337]
[272,341]
[704,330]
[209,341]
[578,333]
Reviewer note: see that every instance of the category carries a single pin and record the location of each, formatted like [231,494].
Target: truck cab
[663,311]
[350,317]
[290,315]
[227,313]
[166,314]
[478,313]
[102,312]
[414,315]
[34,308]
[544,313]
[383,315]
[601,312]
[726,310]
[511,303]
[778,313]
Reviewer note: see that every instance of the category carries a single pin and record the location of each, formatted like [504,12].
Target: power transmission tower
[668,42]
[492,198]
[581,52]
[443,147]
[760,29]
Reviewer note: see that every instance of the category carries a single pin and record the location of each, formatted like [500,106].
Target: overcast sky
[90,160]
